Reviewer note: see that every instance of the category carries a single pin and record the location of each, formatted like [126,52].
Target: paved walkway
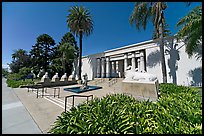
[43,111]
[15,117]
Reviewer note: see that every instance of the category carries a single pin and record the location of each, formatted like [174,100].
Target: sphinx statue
[55,78]
[133,74]
[45,78]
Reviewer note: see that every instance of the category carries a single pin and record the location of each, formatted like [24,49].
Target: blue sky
[23,22]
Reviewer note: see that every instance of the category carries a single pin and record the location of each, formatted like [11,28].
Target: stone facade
[145,56]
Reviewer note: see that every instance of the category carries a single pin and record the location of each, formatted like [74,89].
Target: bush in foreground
[179,111]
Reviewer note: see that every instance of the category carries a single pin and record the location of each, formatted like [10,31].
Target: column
[133,61]
[138,64]
[108,66]
[103,74]
[142,68]
[98,67]
[125,61]
[113,69]
[117,68]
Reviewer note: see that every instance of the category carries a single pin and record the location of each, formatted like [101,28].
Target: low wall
[148,90]
[53,84]
[59,83]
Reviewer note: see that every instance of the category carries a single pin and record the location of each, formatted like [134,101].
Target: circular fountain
[85,87]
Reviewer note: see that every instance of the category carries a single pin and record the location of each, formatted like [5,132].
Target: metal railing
[43,90]
[66,97]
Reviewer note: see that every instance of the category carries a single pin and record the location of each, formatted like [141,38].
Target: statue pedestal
[79,82]
[55,78]
[141,90]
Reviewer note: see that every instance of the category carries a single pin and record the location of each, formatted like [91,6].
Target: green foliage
[20,59]
[14,76]
[166,31]
[191,31]
[145,12]
[68,51]
[5,73]
[24,71]
[18,83]
[80,18]
[14,80]
[178,111]
[41,52]
[80,23]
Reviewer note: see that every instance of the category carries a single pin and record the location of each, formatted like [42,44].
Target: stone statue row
[133,74]
[55,78]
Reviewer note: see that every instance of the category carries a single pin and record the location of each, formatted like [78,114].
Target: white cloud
[5,66]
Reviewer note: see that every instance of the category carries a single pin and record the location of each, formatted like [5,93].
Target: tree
[68,50]
[80,23]
[68,54]
[24,72]
[191,31]
[151,11]
[5,72]
[20,59]
[42,50]
[167,32]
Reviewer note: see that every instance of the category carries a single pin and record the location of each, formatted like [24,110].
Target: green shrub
[14,76]
[24,71]
[14,80]
[18,83]
[178,111]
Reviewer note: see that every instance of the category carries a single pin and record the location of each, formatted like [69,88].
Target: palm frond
[141,15]
[191,30]
[80,18]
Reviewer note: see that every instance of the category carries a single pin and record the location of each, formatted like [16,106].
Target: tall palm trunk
[161,28]
[80,54]
[63,61]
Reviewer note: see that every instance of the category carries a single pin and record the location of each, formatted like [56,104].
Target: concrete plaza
[24,113]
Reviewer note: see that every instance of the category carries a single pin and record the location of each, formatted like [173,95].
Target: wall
[181,70]
[189,69]
[89,65]
[153,64]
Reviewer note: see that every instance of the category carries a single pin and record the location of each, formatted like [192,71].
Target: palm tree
[191,31]
[18,53]
[68,53]
[20,59]
[151,11]
[80,23]
[69,50]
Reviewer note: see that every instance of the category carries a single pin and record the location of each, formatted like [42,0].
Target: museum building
[145,57]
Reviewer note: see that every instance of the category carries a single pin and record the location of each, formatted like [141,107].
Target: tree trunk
[162,55]
[63,60]
[80,54]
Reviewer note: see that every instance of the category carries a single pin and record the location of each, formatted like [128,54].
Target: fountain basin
[79,90]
